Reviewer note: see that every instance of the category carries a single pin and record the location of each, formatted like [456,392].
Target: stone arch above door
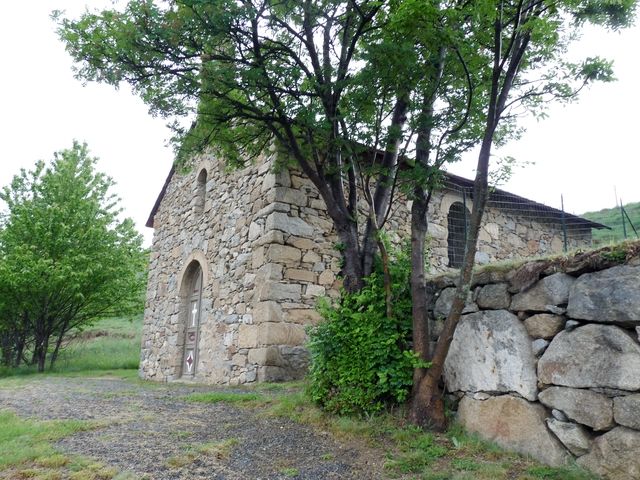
[197,256]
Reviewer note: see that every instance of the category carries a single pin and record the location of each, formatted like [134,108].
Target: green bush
[360,359]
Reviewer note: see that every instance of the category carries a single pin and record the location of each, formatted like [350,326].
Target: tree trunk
[41,343]
[352,266]
[384,185]
[420,320]
[56,350]
[20,349]
[427,407]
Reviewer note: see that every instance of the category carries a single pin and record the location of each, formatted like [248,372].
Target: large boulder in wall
[614,455]
[607,296]
[552,290]
[583,406]
[626,410]
[491,352]
[514,424]
[592,356]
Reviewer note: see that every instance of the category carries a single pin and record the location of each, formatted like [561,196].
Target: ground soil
[151,432]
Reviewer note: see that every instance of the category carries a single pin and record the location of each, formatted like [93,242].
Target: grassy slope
[112,343]
[109,344]
[612,218]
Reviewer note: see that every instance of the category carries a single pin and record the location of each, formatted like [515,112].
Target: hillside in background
[613,218]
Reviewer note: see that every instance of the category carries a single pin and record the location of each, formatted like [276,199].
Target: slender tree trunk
[421,327]
[41,343]
[41,354]
[427,406]
[419,226]
[56,350]
[20,349]
[384,185]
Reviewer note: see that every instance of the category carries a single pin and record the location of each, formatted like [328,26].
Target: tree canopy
[66,257]
[332,82]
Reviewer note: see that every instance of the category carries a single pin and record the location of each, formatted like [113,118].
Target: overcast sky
[582,151]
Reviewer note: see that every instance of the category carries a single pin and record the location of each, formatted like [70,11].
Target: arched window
[191,306]
[201,191]
[458,225]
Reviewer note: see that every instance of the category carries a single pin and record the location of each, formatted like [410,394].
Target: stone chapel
[239,259]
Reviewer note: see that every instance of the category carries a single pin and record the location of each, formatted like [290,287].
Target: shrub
[360,359]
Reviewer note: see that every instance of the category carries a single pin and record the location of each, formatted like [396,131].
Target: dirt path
[150,430]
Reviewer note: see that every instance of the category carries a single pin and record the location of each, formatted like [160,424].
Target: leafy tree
[66,258]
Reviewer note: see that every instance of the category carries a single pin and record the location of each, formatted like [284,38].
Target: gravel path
[150,430]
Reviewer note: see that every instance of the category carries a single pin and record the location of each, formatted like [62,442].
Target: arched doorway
[458,226]
[192,307]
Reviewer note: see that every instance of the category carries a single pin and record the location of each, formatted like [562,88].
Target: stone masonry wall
[552,371]
[504,235]
[267,255]
[266,247]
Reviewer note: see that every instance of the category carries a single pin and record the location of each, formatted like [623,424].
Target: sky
[586,151]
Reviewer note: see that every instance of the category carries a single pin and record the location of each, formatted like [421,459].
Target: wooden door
[192,330]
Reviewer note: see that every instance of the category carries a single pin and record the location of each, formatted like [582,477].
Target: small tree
[66,257]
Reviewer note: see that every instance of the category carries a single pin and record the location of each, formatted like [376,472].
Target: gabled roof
[498,199]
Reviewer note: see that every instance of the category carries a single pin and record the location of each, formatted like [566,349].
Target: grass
[110,345]
[290,472]
[612,217]
[27,451]
[226,397]
[220,450]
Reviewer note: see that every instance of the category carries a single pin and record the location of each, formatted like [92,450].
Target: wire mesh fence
[516,227]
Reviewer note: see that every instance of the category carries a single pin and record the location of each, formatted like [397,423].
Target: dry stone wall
[552,371]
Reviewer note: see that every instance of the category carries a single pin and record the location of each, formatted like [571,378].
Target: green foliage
[360,359]
[67,257]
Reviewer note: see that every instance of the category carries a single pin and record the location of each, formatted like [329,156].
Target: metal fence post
[624,224]
[564,224]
